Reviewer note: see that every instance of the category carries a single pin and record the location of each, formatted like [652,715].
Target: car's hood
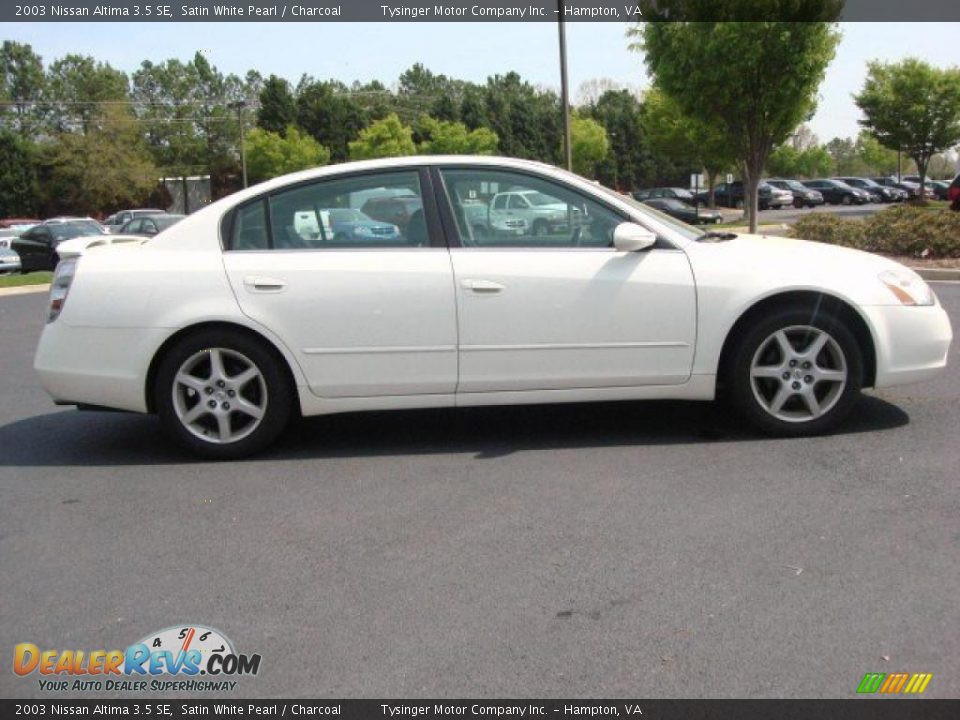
[758,265]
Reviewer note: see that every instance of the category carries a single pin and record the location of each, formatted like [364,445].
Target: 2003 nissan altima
[255,308]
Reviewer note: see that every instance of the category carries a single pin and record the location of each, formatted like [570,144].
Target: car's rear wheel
[796,373]
[846,200]
[222,395]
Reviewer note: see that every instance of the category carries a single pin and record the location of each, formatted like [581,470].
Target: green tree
[270,154]
[81,87]
[453,138]
[278,107]
[912,106]
[689,140]
[877,159]
[719,70]
[18,181]
[331,113]
[23,86]
[383,138]
[811,162]
[589,144]
[526,120]
[104,169]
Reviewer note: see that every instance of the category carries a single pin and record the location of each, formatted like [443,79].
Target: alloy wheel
[219,395]
[798,373]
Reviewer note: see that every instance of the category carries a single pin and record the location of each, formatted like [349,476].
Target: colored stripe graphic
[894,683]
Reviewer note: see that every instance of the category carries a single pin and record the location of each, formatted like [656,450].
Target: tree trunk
[711,185]
[750,185]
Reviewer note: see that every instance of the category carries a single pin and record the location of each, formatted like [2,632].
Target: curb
[24,289]
[942,274]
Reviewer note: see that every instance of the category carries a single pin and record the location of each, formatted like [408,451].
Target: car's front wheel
[796,373]
[222,395]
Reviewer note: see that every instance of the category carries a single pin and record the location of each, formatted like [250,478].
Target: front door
[564,310]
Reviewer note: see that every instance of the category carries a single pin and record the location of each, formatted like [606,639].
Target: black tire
[278,398]
[798,204]
[846,200]
[740,383]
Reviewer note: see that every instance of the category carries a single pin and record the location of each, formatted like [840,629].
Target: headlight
[60,287]
[907,286]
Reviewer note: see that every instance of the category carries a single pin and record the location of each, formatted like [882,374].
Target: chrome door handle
[483,286]
[264,284]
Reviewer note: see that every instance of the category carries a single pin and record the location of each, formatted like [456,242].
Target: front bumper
[9,266]
[911,342]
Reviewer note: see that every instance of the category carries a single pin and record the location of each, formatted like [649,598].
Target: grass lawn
[34,278]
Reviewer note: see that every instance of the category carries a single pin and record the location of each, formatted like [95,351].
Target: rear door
[366,314]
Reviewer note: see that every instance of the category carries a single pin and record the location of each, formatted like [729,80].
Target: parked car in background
[627,303]
[665,192]
[37,247]
[929,184]
[115,222]
[838,193]
[9,261]
[802,196]
[912,189]
[940,189]
[7,235]
[396,210]
[348,225]
[528,211]
[879,193]
[150,225]
[681,211]
[732,195]
[17,223]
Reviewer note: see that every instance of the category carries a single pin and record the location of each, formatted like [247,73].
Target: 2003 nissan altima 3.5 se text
[258,307]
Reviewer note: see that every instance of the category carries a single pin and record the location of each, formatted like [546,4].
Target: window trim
[435,230]
[452,229]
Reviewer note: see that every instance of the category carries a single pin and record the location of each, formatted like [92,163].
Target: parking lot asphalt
[634,550]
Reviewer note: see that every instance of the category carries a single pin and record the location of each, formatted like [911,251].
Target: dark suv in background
[802,195]
[953,194]
[731,195]
[836,192]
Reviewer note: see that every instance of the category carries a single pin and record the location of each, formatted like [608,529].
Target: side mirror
[630,237]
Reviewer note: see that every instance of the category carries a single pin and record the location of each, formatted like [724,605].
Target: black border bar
[400,11]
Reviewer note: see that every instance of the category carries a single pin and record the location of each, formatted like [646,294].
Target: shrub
[828,228]
[902,230]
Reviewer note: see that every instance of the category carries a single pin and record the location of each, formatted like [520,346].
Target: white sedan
[234,319]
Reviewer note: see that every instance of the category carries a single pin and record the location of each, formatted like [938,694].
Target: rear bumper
[105,367]
[911,342]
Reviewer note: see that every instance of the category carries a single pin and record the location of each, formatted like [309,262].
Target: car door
[364,315]
[34,248]
[567,311]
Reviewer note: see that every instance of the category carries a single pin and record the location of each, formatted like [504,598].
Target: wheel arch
[816,302]
[200,327]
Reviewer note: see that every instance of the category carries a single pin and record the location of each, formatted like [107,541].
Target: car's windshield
[681,228]
[793,185]
[164,222]
[65,231]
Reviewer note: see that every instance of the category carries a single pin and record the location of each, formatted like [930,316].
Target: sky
[469,51]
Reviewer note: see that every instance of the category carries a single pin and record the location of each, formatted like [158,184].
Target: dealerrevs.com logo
[185,657]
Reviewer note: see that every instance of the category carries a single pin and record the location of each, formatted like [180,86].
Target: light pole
[564,90]
[239,106]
